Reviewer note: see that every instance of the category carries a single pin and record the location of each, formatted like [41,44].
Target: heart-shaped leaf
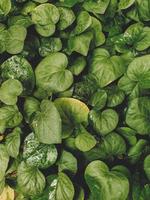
[105,184]
[106,68]
[51,73]
[104,122]
[9,91]
[46,123]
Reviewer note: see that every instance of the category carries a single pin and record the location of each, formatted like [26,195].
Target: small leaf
[9,91]
[13,142]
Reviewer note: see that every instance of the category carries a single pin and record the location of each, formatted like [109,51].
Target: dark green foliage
[74,99]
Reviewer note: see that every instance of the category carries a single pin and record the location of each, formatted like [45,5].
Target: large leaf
[46,123]
[105,184]
[51,73]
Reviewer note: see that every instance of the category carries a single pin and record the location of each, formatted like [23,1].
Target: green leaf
[104,122]
[49,45]
[46,30]
[145,194]
[127,85]
[105,184]
[30,180]
[72,112]
[137,116]
[80,43]
[10,117]
[31,105]
[98,7]
[19,68]
[78,65]
[3,37]
[106,69]
[84,21]
[129,134]
[112,145]
[138,36]
[46,123]
[80,194]
[12,142]
[84,141]
[139,71]
[122,169]
[40,1]
[9,91]
[28,7]
[67,17]
[4,159]
[67,162]
[2,185]
[38,155]
[20,20]
[45,16]
[96,27]
[143,9]
[115,96]
[5,7]
[60,187]
[68,3]
[98,99]
[51,73]
[15,42]
[147,166]
[135,152]
[124,4]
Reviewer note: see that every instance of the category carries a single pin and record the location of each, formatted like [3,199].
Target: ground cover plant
[75,99]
